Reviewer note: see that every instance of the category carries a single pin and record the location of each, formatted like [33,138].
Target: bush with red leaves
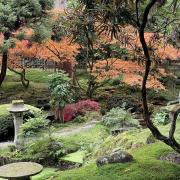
[73,110]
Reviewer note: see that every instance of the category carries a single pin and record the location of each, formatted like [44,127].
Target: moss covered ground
[146,164]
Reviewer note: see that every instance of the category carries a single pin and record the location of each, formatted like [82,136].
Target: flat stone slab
[20,170]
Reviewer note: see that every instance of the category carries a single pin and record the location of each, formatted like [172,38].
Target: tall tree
[140,16]
[14,16]
[169,140]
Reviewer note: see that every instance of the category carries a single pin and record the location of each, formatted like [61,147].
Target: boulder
[120,157]
[172,157]
[102,161]
[116,157]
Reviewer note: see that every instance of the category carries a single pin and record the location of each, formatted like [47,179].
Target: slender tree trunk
[61,114]
[4,63]
[3,67]
[170,141]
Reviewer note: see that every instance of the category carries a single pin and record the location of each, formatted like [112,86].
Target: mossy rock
[6,120]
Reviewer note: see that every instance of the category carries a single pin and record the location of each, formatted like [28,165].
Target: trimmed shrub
[73,110]
[119,118]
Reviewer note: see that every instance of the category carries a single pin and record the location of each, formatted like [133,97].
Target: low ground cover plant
[34,125]
[161,118]
[119,118]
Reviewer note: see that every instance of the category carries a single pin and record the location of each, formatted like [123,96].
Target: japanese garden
[90,89]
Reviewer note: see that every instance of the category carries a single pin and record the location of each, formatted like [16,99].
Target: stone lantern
[17,109]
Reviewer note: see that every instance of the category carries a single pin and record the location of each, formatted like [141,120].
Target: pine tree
[15,15]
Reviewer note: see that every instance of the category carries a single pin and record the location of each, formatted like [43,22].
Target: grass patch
[33,75]
[45,174]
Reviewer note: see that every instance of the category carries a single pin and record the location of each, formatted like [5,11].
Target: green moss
[45,174]
[76,157]
[146,166]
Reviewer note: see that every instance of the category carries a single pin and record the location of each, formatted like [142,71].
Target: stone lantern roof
[18,106]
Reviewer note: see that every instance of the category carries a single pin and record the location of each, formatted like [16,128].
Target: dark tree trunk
[170,141]
[59,114]
[3,67]
[4,63]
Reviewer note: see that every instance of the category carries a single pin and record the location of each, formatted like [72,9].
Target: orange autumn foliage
[60,52]
[129,38]
[131,72]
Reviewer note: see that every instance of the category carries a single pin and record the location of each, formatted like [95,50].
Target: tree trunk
[3,67]
[170,141]
[4,63]
[61,114]
[25,82]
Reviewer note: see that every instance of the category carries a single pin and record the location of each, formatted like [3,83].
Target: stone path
[63,132]
[71,131]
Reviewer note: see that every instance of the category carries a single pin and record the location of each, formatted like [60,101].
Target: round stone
[20,170]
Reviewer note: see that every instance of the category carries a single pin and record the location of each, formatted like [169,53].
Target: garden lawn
[12,87]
